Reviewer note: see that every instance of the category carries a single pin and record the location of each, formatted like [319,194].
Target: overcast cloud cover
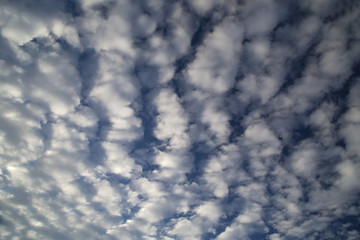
[179,119]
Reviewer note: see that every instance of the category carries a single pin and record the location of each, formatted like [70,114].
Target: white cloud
[351,122]
[84,117]
[262,17]
[186,229]
[248,222]
[251,215]
[258,86]
[90,3]
[118,161]
[172,129]
[307,30]
[210,211]
[154,211]
[275,236]
[321,6]
[260,133]
[262,146]
[203,6]
[215,66]
[254,192]
[57,82]
[222,170]
[322,120]
[67,31]
[19,134]
[260,48]
[152,189]
[218,186]
[304,160]
[334,63]
[108,197]
[348,180]
[171,121]
[22,27]
[217,120]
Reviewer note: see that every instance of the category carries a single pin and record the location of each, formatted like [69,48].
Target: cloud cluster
[179,119]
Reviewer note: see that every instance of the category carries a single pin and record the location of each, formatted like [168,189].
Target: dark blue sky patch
[73,7]
[88,68]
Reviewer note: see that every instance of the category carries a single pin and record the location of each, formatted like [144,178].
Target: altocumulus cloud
[203,119]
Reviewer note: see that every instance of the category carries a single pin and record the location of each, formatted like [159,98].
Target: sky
[179,119]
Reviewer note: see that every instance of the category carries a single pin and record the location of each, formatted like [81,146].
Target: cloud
[210,211]
[214,68]
[304,160]
[22,29]
[179,120]
[261,17]
[202,7]
[348,171]
[351,121]
[171,121]
[186,229]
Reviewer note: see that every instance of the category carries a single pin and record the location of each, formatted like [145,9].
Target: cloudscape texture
[179,119]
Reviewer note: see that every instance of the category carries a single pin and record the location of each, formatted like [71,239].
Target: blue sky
[182,119]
